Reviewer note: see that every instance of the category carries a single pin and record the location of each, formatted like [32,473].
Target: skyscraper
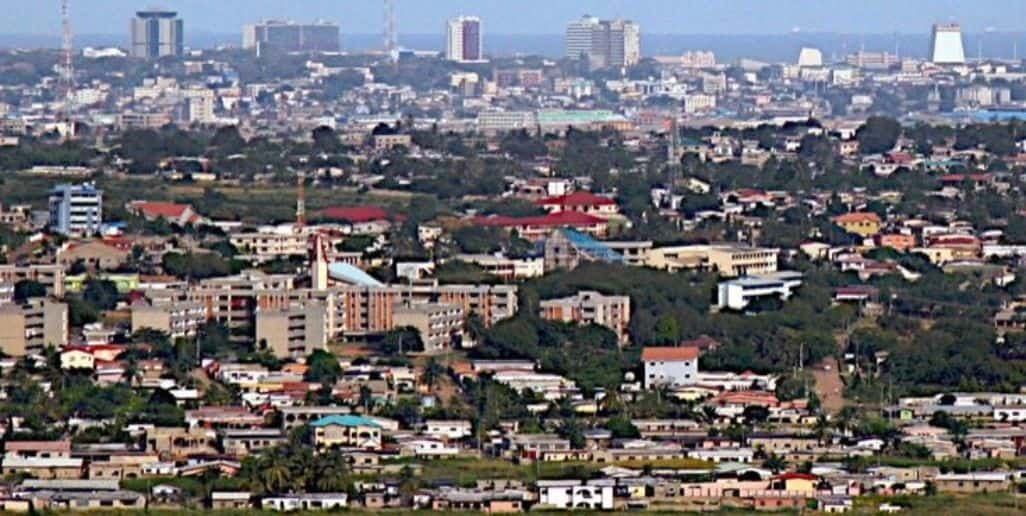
[463,39]
[157,34]
[604,43]
[946,44]
[290,36]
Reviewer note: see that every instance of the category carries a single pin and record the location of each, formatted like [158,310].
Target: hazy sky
[539,16]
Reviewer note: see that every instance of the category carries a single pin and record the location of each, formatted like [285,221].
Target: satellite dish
[628,376]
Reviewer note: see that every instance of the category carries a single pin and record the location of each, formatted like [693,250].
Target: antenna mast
[301,199]
[67,65]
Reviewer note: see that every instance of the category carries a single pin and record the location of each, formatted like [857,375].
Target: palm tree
[275,476]
[433,371]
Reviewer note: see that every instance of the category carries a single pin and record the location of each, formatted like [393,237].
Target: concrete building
[292,332]
[156,34]
[589,307]
[738,293]
[269,244]
[669,366]
[347,431]
[30,326]
[440,325]
[946,47]
[173,317]
[604,43]
[76,210]
[50,276]
[289,36]
[463,39]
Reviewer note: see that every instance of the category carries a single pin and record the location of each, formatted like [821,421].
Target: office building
[946,45]
[51,276]
[32,325]
[289,36]
[76,210]
[588,307]
[604,43]
[157,34]
[463,39]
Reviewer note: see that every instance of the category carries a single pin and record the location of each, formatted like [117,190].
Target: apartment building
[729,260]
[292,332]
[440,325]
[177,318]
[50,276]
[589,307]
[30,326]
[269,244]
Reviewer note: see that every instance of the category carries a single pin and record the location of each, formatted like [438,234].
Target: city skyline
[537,17]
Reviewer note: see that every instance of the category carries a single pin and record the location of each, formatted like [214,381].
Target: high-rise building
[76,209]
[946,44]
[604,43]
[289,36]
[157,34]
[463,39]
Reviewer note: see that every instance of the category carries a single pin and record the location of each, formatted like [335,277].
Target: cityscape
[287,273]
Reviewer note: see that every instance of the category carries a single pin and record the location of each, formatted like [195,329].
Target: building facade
[604,43]
[157,34]
[589,307]
[76,210]
[463,39]
[289,36]
[30,326]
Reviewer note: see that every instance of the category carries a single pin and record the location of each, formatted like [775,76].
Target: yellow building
[865,224]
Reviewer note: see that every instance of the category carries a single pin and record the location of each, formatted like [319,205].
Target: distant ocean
[728,48]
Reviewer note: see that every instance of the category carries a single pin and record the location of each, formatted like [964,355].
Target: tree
[401,341]
[101,294]
[26,289]
[878,135]
[323,367]
[622,428]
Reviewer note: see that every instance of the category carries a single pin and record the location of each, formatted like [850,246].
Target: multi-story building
[156,34]
[294,331]
[289,36]
[76,210]
[440,325]
[177,318]
[30,326]
[270,243]
[670,366]
[946,47]
[738,293]
[589,307]
[604,43]
[463,39]
[50,276]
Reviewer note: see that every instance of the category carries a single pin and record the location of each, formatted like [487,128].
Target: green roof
[346,420]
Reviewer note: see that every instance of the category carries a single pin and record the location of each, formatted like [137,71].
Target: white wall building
[738,293]
[670,366]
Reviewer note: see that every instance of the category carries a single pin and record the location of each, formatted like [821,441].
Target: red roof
[356,214]
[577,199]
[162,209]
[796,476]
[669,353]
[563,218]
[859,216]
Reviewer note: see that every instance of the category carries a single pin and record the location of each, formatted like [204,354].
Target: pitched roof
[168,210]
[669,353]
[581,198]
[858,216]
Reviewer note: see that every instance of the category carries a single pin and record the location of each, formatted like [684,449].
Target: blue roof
[346,420]
[352,275]
[594,249]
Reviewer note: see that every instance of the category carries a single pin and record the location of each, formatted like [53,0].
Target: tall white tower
[946,46]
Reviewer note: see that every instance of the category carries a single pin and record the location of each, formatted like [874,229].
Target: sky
[539,16]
